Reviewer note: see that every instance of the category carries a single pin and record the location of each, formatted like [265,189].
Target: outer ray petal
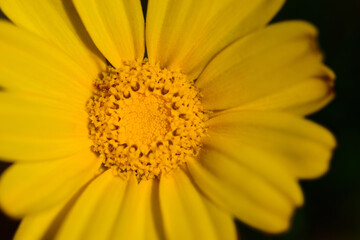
[38,225]
[256,163]
[273,139]
[116,27]
[58,22]
[30,64]
[224,224]
[29,188]
[113,208]
[46,224]
[273,68]
[183,209]
[302,99]
[139,216]
[187,34]
[242,200]
[37,128]
[96,210]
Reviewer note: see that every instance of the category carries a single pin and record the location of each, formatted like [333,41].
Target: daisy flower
[169,128]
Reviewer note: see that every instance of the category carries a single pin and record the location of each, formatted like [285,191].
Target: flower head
[209,126]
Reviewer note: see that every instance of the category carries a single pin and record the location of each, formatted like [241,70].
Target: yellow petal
[187,34]
[299,145]
[112,208]
[116,27]
[139,216]
[241,201]
[302,99]
[36,128]
[248,182]
[224,223]
[94,213]
[259,164]
[40,225]
[30,64]
[26,188]
[273,68]
[57,22]
[184,212]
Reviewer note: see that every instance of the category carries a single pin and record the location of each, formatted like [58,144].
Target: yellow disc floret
[145,120]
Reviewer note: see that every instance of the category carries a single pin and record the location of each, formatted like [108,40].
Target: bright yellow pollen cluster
[145,120]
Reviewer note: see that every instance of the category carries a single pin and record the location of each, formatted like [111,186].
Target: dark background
[332,205]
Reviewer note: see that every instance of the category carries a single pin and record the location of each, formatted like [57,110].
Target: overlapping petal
[187,34]
[35,128]
[270,139]
[223,221]
[276,68]
[251,160]
[113,208]
[41,225]
[116,27]
[27,188]
[139,217]
[96,210]
[33,65]
[184,212]
[247,197]
[58,22]
[303,98]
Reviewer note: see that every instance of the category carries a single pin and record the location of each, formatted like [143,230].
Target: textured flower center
[145,120]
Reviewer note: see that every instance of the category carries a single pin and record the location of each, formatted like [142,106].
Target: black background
[332,205]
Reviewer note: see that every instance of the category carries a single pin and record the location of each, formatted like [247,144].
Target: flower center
[145,120]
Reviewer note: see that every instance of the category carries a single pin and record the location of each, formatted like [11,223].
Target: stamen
[145,120]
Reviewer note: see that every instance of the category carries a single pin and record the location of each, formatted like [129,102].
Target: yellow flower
[108,144]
